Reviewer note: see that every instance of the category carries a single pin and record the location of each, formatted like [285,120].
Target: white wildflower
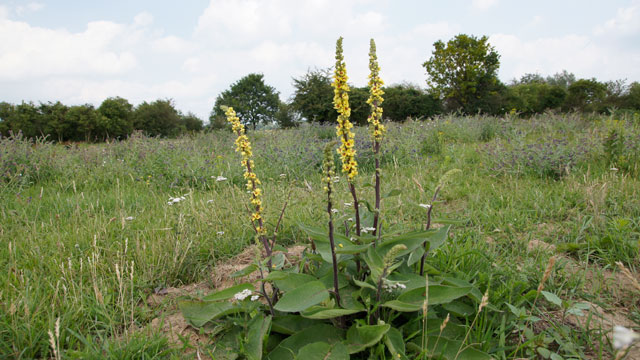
[283,175]
[220,233]
[350,219]
[209,201]
[221,178]
[242,295]
[623,337]
[255,297]
[336,179]
[348,204]
[129,218]
[353,239]
[334,211]
[367,229]
[426,206]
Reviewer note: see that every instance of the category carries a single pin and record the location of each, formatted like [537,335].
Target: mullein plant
[360,299]
[376,129]
[243,146]
[347,148]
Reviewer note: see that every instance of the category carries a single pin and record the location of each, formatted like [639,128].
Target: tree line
[115,118]
[461,78]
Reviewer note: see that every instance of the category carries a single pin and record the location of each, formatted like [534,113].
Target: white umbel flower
[623,337]
[426,206]
[242,295]
[255,297]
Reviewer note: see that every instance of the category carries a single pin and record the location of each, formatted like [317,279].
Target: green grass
[64,227]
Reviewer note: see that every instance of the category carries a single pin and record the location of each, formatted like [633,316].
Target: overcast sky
[85,51]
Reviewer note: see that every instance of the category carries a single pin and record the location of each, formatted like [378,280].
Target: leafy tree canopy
[254,101]
[116,118]
[313,96]
[158,118]
[463,72]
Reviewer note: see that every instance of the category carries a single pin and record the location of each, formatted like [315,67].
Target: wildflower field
[544,216]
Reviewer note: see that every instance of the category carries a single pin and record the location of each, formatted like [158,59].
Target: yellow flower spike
[341,104]
[243,146]
[375,100]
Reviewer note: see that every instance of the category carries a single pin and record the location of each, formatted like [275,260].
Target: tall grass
[86,233]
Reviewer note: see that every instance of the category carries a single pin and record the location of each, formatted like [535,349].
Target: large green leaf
[198,313]
[248,270]
[414,239]
[321,234]
[364,336]
[327,280]
[413,300]
[258,328]
[321,312]
[395,342]
[228,293]
[303,297]
[415,255]
[291,345]
[323,351]
[289,281]
[290,324]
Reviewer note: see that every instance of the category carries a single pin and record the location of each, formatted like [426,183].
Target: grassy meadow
[88,231]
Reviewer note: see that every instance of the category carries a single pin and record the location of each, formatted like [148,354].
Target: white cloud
[30,7]
[27,51]
[172,44]
[483,4]
[626,22]
[575,53]
[143,19]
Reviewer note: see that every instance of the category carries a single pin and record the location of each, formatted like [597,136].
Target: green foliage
[407,101]
[531,98]
[83,119]
[287,117]
[191,123]
[313,96]
[586,95]
[158,118]
[463,72]
[254,101]
[116,118]
[54,121]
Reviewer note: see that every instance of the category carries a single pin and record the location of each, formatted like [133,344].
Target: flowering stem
[435,195]
[264,293]
[333,249]
[356,206]
[376,214]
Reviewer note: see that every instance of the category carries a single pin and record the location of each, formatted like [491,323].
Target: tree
[632,99]
[55,123]
[535,97]
[158,118]
[313,96]
[191,122]
[253,100]
[408,101]
[287,117]
[464,72]
[7,112]
[586,95]
[116,118]
[563,79]
[84,119]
